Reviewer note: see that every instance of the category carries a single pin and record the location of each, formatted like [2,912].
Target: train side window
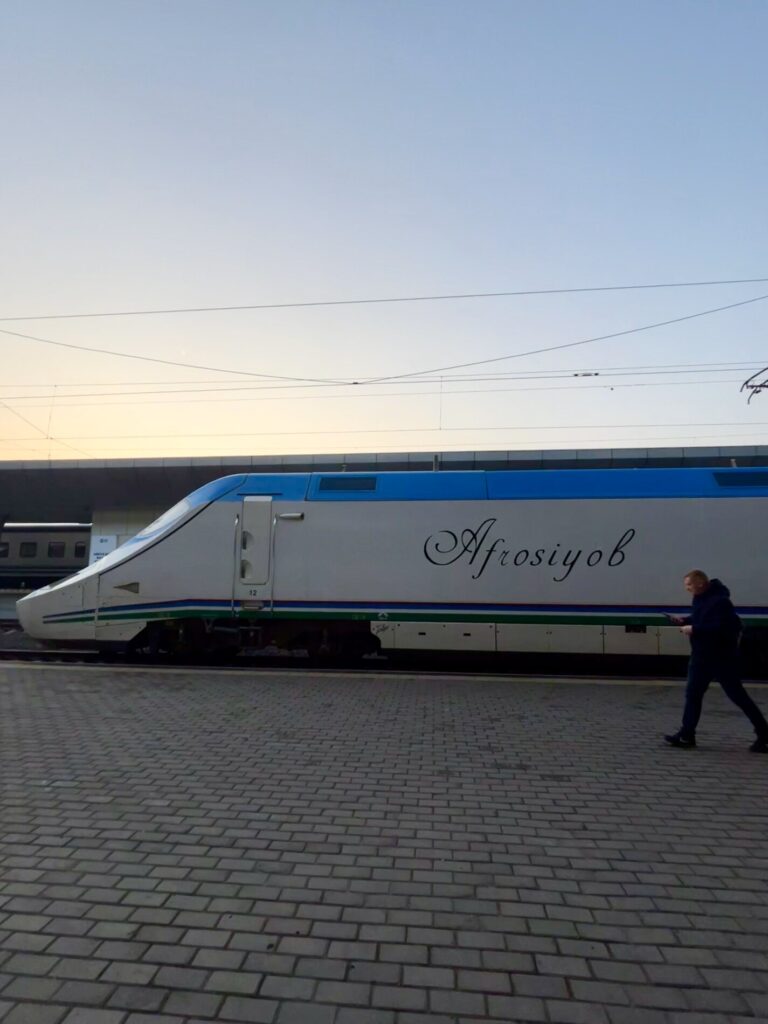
[80,549]
[4,548]
[56,549]
[347,483]
[28,549]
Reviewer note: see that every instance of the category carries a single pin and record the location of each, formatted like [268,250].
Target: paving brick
[279,986]
[347,1015]
[573,1012]
[351,993]
[35,1013]
[78,969]
[29,963]
[474,859]
[252,1011]
[180,977]
[305,1013]
[237,982]
[469,1003]
[32,988]
[130,973]
[137,997]
[92,993]
[86,1015]
[311,967]
[197,1004]
[516,1008]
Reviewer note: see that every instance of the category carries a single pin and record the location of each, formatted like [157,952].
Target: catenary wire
[385,300]
[570,344]
[166,362]
[387,430]
[445,445]
[577,379]
[113,404]
[388,377]
[741,364]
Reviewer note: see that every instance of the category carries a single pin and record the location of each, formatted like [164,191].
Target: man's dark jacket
[716,626]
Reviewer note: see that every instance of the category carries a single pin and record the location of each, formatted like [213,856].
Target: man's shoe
[760,746]
[679,740]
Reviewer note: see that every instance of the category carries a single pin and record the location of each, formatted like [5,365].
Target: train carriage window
[747,479]
[56,549]
[4,548]
[28,549]
[348,483]
[80,549]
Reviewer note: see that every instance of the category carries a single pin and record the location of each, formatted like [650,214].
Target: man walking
[713,628]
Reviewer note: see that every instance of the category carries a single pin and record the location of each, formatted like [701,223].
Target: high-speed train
[569,561]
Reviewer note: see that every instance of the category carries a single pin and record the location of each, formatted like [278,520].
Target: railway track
[490,665]
[388,665]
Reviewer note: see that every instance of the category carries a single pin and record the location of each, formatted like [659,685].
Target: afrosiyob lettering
[482,547]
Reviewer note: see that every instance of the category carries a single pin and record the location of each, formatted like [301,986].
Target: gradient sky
[175,153]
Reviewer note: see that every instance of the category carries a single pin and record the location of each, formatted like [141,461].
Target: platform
[311,848]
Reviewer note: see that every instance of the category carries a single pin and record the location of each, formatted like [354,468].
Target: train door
[254,550]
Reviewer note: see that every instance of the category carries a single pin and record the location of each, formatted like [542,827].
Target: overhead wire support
[754,386]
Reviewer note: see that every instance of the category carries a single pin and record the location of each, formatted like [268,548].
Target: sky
[177,154]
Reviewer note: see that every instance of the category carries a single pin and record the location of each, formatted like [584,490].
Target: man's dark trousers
[725,670]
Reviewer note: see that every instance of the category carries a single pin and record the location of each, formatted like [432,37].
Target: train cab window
[4,548]
[80,549]
[56,549]
[28,549]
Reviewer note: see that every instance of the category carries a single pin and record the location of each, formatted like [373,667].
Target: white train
[569,561]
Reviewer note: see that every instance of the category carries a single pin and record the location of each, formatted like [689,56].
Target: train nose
[28,610]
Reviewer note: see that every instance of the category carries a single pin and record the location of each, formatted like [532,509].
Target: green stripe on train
[521,618]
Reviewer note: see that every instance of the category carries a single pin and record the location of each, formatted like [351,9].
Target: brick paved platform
[304,849]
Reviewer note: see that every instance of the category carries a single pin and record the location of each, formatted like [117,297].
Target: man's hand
[676,620]
[686,630]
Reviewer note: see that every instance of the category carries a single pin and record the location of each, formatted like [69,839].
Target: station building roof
[70,490]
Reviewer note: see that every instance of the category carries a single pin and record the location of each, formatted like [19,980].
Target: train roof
[514,484]
[46,528]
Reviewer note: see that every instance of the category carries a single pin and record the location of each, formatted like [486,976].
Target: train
[569,562]
[34,554]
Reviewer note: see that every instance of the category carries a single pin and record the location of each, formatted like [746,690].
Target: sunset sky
[168,154]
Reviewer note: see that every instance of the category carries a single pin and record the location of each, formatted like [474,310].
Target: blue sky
[169,154]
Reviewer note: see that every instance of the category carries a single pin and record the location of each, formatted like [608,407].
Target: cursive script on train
[484,546]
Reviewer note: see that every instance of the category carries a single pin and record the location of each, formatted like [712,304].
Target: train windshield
[176,514]
[169,518]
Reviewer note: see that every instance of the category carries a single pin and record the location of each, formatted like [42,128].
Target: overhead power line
[570,344]
[742,364]
[388,377]
[167,362]
[390,430]
[388,299]
[608,384]
[320,391]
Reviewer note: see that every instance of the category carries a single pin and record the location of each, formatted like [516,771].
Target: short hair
[697,574]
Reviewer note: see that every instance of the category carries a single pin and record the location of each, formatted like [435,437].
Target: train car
[568,561]
[33,554]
